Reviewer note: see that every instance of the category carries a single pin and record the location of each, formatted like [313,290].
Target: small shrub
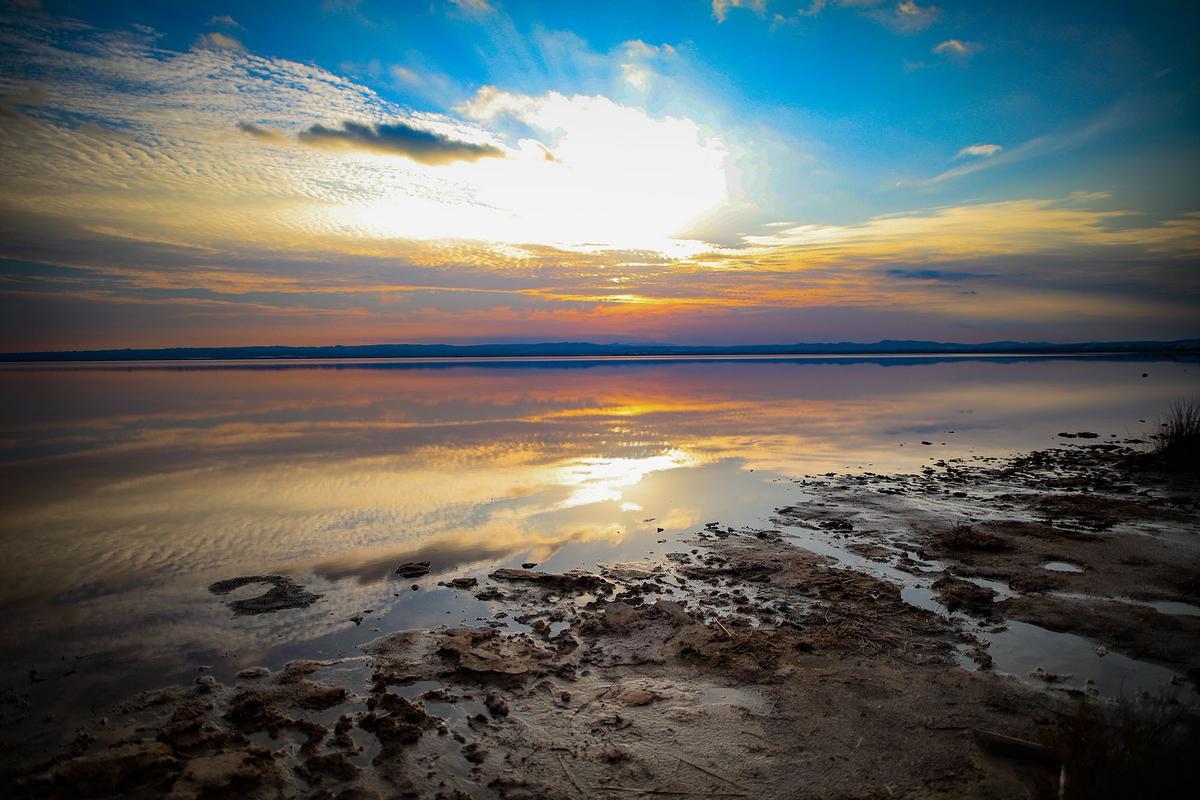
[1177,443]
[964,537]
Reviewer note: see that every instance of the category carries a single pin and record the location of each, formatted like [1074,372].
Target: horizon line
[565,349]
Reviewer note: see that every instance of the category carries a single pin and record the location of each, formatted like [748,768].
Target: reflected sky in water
[128,489]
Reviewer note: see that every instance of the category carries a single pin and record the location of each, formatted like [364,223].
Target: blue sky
[762,131]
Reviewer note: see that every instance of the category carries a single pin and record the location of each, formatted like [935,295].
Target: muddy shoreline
[866,646]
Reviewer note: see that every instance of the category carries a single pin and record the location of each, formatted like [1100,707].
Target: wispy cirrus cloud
[473,7]
[904,17]
[1120,115]
[979,150]
[225,21]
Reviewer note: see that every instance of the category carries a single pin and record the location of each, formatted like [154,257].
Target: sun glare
[600,176]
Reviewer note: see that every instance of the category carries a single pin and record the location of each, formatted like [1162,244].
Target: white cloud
[165,160]
[218,41]
[404,75]
[623,175]
[720,8]
[904,16]
[474,7]
[957,49]
[225,21]
[636,75]
[1120,115]
[983,150]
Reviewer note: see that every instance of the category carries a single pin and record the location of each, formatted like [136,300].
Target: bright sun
[600,175]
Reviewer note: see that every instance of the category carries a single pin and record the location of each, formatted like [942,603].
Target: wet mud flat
[891,636]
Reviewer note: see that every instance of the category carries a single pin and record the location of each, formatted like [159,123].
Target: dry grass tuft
[1177,442]
[964,537]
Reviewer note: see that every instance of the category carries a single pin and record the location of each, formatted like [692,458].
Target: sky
[698,172]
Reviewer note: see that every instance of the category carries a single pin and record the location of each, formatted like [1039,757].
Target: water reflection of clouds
[146,475]
[125,492]
[596,480]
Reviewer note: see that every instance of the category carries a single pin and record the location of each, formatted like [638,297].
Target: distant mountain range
[592,350]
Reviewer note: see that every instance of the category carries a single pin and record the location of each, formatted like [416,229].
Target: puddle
[1003,590]
[1024,648]
[1171,607]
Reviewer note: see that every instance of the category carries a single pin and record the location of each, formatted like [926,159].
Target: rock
[565,581]
[483,650]
[474,753]
[615,754]
[252,673]
[335,767]
[413,569]
[964,537]
[396,721]
[206,684]
[636,696]
[496,705]
[118,770]
[284,593]
[461,583]
[955,593]
[529,565]
[240,773]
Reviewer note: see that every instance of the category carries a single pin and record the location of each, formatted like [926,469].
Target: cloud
[424,146]
[906,17]
[936,275]
[262,134]
[350,8]
[1117,116]
[982,150]
[956,49]
[473,7]
[225,21]
[636,75]
[720,8]
[403,75]
[636,57]
[218,41]
[979,230]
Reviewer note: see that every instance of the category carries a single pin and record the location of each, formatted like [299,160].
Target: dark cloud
[262,134]
[399,139]
[936,275]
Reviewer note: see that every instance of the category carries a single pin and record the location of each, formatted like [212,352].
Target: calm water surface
[127,489]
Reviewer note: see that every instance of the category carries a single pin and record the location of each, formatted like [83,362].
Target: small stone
[413,569]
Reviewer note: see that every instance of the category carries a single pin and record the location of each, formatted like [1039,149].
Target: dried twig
[707,771]
[568,773]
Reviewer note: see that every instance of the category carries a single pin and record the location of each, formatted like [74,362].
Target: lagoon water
[128,488]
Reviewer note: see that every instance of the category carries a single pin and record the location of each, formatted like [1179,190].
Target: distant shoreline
[587,350]
[582,362]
